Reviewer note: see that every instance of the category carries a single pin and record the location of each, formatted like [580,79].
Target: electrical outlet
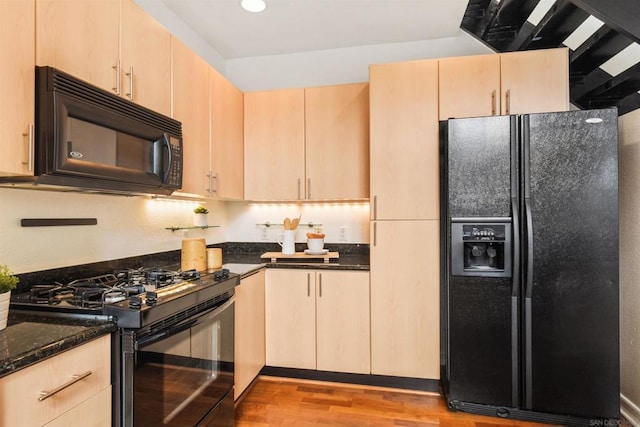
[264,233]
[342,237]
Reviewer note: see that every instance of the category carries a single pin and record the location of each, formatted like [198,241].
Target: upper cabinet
[307,144]
[469,86]
[404,140]
[227,138]
[535,81]
[274,145]
[145,63]
[337,142]
[191,108]
[210,109]
[17,52]
[510,83]
[112,44]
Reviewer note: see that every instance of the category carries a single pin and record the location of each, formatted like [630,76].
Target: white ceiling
[292,26]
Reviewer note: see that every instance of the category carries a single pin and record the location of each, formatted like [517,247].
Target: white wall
[337,66]
[186,35]
[629,175]
[319,68]
[127,226]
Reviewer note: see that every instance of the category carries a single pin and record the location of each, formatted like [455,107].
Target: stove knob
[152,298]
[135,301]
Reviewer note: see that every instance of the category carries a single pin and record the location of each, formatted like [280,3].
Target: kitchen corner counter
[30,338]
[237,254]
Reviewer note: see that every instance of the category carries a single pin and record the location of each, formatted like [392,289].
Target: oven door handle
[184,325]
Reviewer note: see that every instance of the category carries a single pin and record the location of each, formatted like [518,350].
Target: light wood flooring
[285,402]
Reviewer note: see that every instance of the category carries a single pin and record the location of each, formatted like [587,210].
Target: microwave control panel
[173,177]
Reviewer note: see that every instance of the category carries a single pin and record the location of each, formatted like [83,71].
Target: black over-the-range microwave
[89,138]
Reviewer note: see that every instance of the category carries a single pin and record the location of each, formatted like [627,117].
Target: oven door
[183,375]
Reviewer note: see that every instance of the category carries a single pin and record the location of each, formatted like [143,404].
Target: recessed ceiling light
[253,5]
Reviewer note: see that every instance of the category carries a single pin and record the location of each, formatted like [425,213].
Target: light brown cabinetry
[337,142]
[307,143]
[249,331]
[191,108]
[534,81]
[17,52]
[274,145]
[211,111]
[145,62]
[227,138]
[404,140]
[318,320]
[509,83]
[405,210]
[112,44]
[87,401]
[342,322]
[405,301]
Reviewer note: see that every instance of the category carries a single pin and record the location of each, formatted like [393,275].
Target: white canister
[287,239]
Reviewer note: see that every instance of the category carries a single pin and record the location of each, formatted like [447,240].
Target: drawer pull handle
[74,379]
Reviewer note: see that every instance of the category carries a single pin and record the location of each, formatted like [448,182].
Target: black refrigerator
[529,266]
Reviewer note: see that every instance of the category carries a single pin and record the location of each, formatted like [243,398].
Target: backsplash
[340,222]
[127,226]
[136,226]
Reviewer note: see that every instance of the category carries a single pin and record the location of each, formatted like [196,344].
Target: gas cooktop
[134,297]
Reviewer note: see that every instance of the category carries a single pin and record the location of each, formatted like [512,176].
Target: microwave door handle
[165,143]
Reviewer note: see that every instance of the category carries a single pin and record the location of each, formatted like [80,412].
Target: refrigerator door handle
[529,225]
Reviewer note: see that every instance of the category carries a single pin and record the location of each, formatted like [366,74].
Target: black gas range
[133,297]
[175,329]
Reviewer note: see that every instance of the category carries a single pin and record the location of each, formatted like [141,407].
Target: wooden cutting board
[275,256]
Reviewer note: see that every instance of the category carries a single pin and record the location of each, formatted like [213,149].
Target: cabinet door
[405,301]
[337,141]
[227,138]
[469,86]
[342,326]
[290,319]
[191,107]
[81,38]
[20,389]
[16,86]
[145,59]
[404,140]
[249,331]
[535,81]
[274,145]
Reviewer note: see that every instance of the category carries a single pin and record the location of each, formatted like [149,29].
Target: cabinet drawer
[95,412]
[19,392]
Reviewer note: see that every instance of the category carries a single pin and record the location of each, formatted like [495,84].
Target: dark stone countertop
[30,338]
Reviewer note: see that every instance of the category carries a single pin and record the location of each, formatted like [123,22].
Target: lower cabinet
[405,299]
[249,342]
[86,401]
[318,320]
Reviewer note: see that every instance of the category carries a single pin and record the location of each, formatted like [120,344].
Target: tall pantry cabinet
[17,53]
[405,326]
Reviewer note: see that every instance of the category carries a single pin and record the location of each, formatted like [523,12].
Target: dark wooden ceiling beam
[617,87]
[621,15]
[628,104]
[558,24]
[596,50]
[510,18]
